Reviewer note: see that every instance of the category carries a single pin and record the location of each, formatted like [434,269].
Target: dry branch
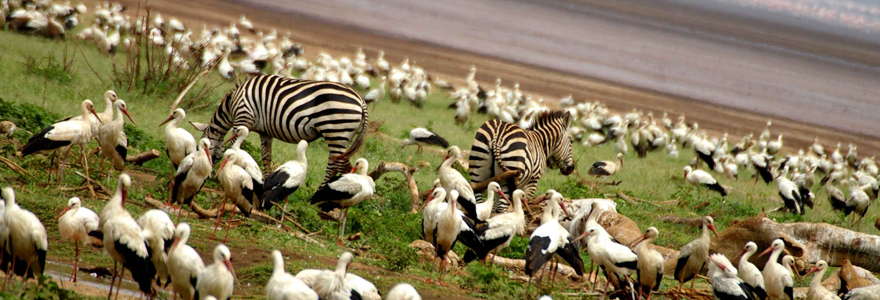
[385,167]
[141,158]
[15,167]
[200,212]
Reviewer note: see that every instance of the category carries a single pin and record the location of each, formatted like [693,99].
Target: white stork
[218,278]
[447,225]
[789,192]
[158,232]
[761,162]
[124,242]
[344,191]
[607,168]
[615,258]
[700,177]
[245,160]
[650,262]
[857,201]
[777,278]
[484,209]
[725,284]
[79,224]
[191,174]
[65,135]
[431,209]
[446,228]
[286,179]
[283,286]
[817,291]
[705,151]
[422,137]
[237,185]
[377,93]
[178,142]
[330,285]
[110,135]
[365,288]
[403,291]
[104,116]
[27,237]
[693,255]
[184,263]
[749,273]
[498,231]
[451,179]
[551,239]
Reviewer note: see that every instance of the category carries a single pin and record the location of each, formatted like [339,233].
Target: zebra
[500,146]
[292,110]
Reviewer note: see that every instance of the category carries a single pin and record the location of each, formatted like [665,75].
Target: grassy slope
[655,178]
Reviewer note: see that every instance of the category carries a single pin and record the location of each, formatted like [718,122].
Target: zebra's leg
[266,154]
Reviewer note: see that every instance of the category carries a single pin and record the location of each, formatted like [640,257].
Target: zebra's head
[221,122]
[560,156]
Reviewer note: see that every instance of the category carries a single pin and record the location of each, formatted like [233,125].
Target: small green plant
[48,67]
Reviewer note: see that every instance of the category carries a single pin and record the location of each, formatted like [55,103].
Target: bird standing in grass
[286,179]
[191,174]
[344,191]
[607,168]
[422,137]
[700,177]
[65,135]
[693,255]
[650,264]
[79,224]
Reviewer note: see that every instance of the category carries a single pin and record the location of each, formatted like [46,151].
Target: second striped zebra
[500,147]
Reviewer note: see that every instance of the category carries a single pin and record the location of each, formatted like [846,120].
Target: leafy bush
[48,67]
[27,116]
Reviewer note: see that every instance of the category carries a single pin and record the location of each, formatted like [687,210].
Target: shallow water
[61,272]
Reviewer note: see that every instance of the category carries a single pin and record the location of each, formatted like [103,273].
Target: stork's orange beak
[129,117]
[62,212]
[171,117]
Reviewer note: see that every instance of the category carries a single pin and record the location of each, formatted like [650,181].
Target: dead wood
[15,167]
[407,171]
[141,158]
[199,212]
[634,200]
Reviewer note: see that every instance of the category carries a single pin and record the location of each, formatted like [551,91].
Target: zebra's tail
[359,141]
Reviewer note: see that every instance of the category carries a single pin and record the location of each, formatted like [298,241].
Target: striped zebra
[292,110]
[500,147]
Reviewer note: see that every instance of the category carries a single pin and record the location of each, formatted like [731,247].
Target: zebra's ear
[566,118]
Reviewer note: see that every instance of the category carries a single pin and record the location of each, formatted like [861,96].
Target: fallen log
[407,171]
[141,158]
[809,242]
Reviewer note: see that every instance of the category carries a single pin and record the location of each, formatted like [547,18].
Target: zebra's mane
[548,117]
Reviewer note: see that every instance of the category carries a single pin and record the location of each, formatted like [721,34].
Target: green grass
[36,94]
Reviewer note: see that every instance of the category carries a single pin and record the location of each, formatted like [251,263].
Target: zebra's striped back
[292,110]
[500,146]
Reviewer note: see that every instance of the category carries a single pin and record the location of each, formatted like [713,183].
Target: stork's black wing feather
[537,254]
[571,254]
